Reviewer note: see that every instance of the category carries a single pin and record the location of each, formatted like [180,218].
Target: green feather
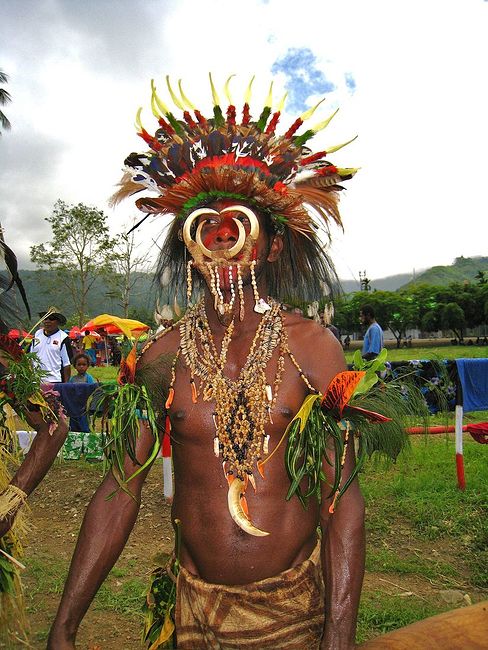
[263,118]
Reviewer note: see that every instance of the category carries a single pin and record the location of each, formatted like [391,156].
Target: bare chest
[195,419]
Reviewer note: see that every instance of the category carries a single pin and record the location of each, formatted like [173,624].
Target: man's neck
[50,333]
[251,319]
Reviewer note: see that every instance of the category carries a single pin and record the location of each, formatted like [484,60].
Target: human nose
[226,232]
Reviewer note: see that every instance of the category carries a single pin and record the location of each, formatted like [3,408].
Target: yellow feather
[138,123]
[161,105]
[215,97]
[281,105]
[247,96]
[227,89]
[321,125]
[175,99]
[339,146]
[308,114]
[185,99]
[269,98]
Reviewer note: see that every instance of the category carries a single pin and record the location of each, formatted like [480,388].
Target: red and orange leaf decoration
[341,389]
[127,373]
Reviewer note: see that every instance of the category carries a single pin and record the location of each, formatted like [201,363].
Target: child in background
[81,362]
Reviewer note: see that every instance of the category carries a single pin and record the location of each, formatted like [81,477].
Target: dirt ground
[57,508]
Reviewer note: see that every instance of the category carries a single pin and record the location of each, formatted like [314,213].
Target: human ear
[275,248]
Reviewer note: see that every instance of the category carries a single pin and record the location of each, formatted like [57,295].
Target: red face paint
[222,233]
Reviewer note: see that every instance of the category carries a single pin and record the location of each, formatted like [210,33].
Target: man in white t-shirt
[53,348]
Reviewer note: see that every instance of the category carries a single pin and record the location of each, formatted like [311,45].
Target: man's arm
[103,535]
[66,373]
[343,541]
[66,356]
[38,460]
[343,557]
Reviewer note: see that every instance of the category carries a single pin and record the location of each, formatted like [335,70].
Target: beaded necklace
[242,406]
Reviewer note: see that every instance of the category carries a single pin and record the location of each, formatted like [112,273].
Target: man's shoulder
[299,327]
[316,349]
[166,342]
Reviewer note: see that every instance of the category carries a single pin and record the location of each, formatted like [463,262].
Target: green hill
[43,291]
[461,270]
[390,283]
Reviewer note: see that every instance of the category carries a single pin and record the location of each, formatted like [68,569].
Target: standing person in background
[100,352]
[53,348]
[334,331]
[373,339]
[89,347]
[116,354]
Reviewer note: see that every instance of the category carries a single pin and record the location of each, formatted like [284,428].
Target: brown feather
[127,187]
[325,202]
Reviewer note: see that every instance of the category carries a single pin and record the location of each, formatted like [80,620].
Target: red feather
[371,415]
[294,128]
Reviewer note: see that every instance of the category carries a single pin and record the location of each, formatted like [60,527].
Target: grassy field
[425,536]
[437,352]
[441,352]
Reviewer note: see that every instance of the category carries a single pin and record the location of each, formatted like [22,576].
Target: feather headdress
[193,160]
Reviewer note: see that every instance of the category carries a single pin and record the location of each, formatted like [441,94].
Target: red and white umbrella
[75,332]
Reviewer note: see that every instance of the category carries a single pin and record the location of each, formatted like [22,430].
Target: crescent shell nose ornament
[236,489]
[187,238]
[253,220]
[222,253]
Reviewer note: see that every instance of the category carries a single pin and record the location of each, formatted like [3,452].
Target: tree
[403,313]
[5,98]
[79,252]
[452,318]
[430,321]
[142,314]
[482,277]
[126,265]
[345,316]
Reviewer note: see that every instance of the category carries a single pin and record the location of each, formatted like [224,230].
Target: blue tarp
[473,376]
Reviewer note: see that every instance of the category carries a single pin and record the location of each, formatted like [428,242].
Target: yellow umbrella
[115,325]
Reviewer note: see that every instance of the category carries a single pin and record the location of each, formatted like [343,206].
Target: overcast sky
[410,79]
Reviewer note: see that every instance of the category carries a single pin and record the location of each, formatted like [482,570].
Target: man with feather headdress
[231,382]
